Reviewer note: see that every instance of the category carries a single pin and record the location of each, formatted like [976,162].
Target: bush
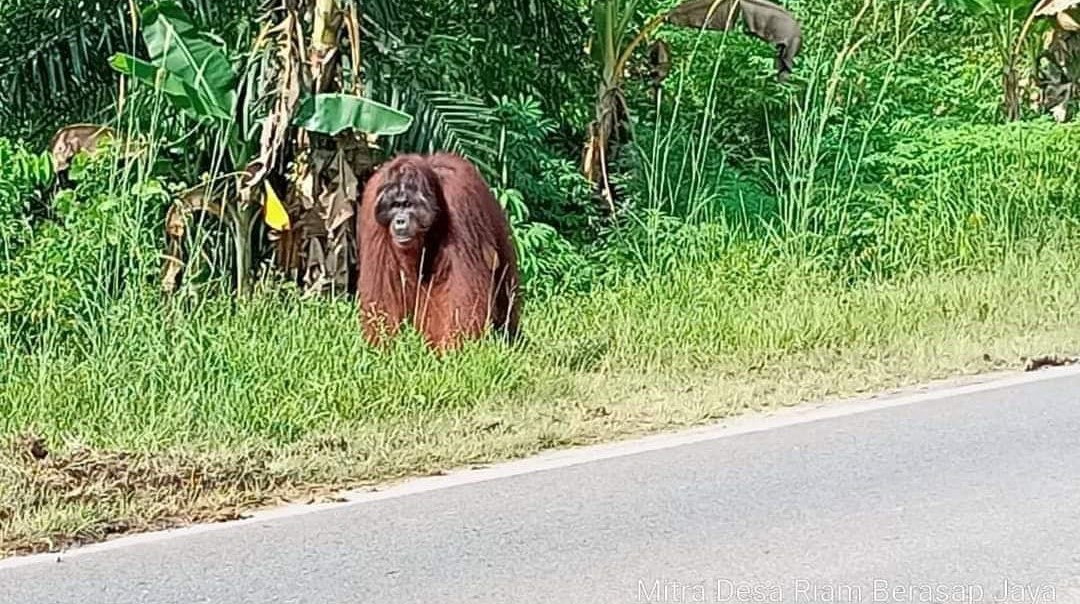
[24,178]
[964,196]
[97,244]
[544,196]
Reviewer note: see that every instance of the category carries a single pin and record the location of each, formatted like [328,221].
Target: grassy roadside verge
[165,419]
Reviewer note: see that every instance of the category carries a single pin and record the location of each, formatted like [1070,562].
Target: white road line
[743,424]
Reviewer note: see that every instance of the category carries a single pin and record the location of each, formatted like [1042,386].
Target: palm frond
[54,56]
[543,17]
[446,121]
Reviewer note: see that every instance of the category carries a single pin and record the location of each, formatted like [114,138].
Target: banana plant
[1004,17]
[1060,75]
[193,71]
[1058,9]
[613,43]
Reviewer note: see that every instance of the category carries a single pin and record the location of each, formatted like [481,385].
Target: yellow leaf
[273,211]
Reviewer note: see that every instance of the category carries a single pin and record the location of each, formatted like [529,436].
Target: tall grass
[150,379]
[815,166]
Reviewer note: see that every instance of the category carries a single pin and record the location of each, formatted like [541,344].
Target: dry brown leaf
[69,140]
[1047,8]
[276,126]
[719,14]
[1067,22]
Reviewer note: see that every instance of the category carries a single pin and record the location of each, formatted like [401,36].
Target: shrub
[97,244]
[963,196]
[24,178]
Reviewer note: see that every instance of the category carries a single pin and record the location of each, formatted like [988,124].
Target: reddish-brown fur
[470,277]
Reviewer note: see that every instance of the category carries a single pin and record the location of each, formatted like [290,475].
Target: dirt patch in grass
[54,500]
[1052,360]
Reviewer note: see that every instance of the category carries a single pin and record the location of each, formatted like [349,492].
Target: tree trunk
[1010,84]
[326,227]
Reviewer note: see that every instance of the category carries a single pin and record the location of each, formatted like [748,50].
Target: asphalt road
[961,497]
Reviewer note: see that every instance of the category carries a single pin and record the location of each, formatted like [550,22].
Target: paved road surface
[952,498]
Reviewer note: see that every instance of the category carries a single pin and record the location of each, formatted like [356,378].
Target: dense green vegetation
[873,221]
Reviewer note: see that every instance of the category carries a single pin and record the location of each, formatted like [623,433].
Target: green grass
[165,418]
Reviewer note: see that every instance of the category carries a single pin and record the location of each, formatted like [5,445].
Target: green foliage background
[522,62]
[519,70]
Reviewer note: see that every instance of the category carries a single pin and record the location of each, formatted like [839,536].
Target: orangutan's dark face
[407,208]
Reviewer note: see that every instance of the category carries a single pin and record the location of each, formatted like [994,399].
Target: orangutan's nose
[400,225]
